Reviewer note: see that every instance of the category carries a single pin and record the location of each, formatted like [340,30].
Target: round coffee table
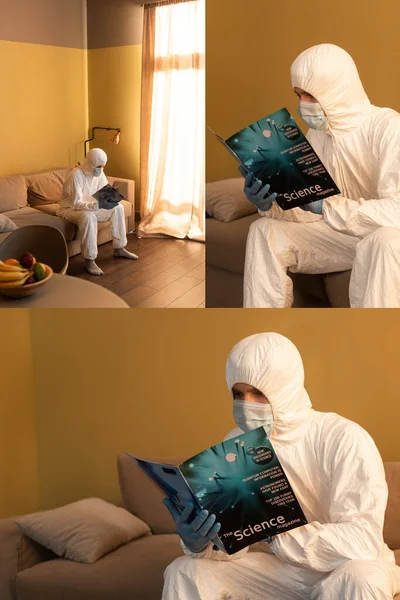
[63,291]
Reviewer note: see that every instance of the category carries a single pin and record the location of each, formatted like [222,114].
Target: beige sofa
[134,571]
[33,200]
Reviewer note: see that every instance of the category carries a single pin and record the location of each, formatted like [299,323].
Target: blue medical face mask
[313,114]
[250,415]
[97,171]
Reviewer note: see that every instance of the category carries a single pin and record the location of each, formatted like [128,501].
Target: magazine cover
[108,193]
[275,150]
[242,482]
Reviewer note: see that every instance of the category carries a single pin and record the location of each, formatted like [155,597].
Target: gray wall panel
[47,22]
[114,23]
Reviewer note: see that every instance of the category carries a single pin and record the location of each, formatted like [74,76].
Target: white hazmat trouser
[261,576]
[87,223]
[276,246]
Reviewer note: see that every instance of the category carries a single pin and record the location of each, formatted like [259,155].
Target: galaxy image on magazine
[242,482]
[277,153]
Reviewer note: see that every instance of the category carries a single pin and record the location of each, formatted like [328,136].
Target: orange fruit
[11,261]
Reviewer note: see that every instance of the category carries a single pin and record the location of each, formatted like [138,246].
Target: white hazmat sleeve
[356,504]
[360,217]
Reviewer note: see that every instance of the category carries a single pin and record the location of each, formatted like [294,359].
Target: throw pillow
[83,531]
[226,201]
[6,225]
[13,193]
[46,187]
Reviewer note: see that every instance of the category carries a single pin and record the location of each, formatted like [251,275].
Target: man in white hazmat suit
[335,471]
[78,206]
[359,229]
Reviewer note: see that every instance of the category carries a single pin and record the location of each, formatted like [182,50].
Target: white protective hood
[359,148]
[329,73]
[272,364]
[95,157]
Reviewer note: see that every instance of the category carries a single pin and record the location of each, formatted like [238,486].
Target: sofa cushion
[127,208]
[226,201]
[83,531]
[337,288]
[142,498]
[13,193]
[132,571]
[226,243]
[6,225]
[111,180]
[52,208]
[47,187]
[31,216]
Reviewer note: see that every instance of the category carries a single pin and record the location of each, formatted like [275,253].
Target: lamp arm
[93,130]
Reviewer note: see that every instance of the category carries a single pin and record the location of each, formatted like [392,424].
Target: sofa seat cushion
[52,208]
[132,571]
[226,243]
[13,193]
[31,216]
[337,288]
[49,209]
[127,208]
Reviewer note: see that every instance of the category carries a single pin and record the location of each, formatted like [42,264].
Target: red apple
[29,281]
[27,260]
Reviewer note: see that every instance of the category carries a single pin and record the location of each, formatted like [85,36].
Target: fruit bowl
[28,289]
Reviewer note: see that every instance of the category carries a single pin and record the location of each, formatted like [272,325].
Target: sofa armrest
[17,553]
[127,189]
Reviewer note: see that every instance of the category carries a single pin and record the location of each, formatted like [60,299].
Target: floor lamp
[115,139]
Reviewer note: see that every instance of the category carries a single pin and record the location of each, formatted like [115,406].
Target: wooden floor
[169,273]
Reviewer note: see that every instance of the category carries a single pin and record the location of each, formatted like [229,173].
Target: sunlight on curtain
[172,169]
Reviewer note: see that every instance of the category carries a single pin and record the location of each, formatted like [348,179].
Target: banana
[6,285]
[12,276]
[11,268]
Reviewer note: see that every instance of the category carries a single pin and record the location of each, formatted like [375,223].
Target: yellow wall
[250,50]
[153,383]
[18,459]
[43,106]
[114,101]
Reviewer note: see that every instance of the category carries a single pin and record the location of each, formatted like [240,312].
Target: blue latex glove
[314,207]
[196,531]
[267,540]
[255,192]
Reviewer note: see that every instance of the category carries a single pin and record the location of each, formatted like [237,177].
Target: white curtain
[173,120]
